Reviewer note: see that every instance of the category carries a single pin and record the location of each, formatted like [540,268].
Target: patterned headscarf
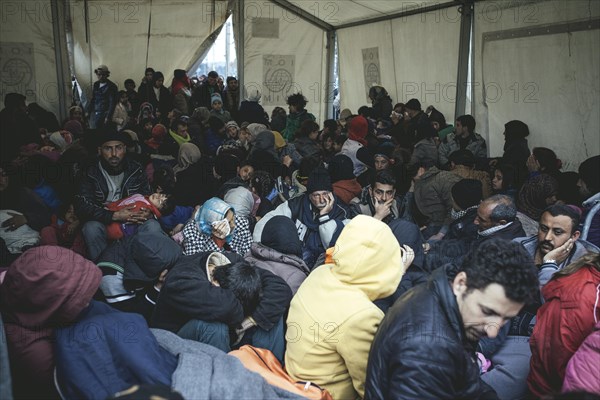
[532,196]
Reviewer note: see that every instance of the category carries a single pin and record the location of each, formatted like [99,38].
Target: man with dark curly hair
[424,348]
[298,114]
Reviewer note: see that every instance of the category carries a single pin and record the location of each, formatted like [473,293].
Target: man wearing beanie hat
[358,128]
[417,120]
[589,187]
[112,177]
[318,215]
[466,196]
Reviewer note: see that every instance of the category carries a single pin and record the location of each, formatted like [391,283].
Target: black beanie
[467,193]
[413,104]
[341,168]
[588,172]
[318,180]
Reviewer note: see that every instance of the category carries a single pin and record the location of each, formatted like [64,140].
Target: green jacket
[293,124]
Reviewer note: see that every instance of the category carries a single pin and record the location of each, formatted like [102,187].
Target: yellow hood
[367,256]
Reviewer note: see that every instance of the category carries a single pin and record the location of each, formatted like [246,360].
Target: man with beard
[556,245]
[318,214]
[379,200]
[112,177]
[425,345]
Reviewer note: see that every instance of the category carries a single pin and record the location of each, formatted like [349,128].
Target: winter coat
[46,287]
[463,227]
[433,195]
[122,345]
[332,318]
[421,350]
[252,112]
[563,322]
[187,294]
[28,203]
[195,241]
[582,370]
[93,192]
[202,94]
[425,149]
[293,123]
[290,268]
[350,148]
[163,104]
[451,143]
[317,233]
[103,99]
[307,147]
[131,354]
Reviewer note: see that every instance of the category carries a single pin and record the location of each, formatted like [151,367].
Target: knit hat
[467,193]
[232,123]
[112,135]
[159,131]
[588,172]
[254,130]
[357,129]
[341,168]
[74,127]
[413,104]
[215,97]
[318,180]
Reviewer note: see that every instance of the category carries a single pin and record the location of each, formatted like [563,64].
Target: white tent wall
[28,63]
[417,58]
[284,54]
[118,36]
[548,78]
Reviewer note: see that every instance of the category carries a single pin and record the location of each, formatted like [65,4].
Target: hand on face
[382,208]
[560,253]
[329,200]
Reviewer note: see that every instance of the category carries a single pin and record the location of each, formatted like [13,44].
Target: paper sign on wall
[371,67]
[278,79]
[17,70]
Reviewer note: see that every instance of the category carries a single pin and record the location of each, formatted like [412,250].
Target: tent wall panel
[286,57]
[27,53]
[548,78]
[118,36]
[414,60]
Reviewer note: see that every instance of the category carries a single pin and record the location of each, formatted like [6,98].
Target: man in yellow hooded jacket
[332,319]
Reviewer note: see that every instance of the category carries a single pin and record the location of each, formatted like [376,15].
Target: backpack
[263,362]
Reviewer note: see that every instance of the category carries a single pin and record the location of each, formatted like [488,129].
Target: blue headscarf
[212,210]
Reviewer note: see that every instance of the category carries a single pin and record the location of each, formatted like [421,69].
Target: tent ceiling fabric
[341,12]
[118,34]
[405,56]
[549,81]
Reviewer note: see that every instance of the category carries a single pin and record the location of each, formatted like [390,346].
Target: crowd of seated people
[382,255]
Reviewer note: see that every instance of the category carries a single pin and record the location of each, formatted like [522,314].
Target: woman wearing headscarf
[194,182]
[382,103]
[215,227]
[536,194]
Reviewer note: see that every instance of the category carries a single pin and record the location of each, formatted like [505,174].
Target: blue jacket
[123,350]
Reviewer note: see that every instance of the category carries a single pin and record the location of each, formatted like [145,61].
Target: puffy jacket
[104,99]
[293,123]
[90,200]
[332,318]
[563,322]
[582,370]
[421,351]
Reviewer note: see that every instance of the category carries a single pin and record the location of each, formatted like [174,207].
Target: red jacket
[563,322]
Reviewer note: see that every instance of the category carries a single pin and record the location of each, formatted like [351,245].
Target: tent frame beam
[462,75]
[304,15]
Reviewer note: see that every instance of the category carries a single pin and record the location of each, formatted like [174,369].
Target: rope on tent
[149,28]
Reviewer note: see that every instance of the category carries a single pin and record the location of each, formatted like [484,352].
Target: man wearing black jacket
[221,300]
[425,345]
[113,176]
